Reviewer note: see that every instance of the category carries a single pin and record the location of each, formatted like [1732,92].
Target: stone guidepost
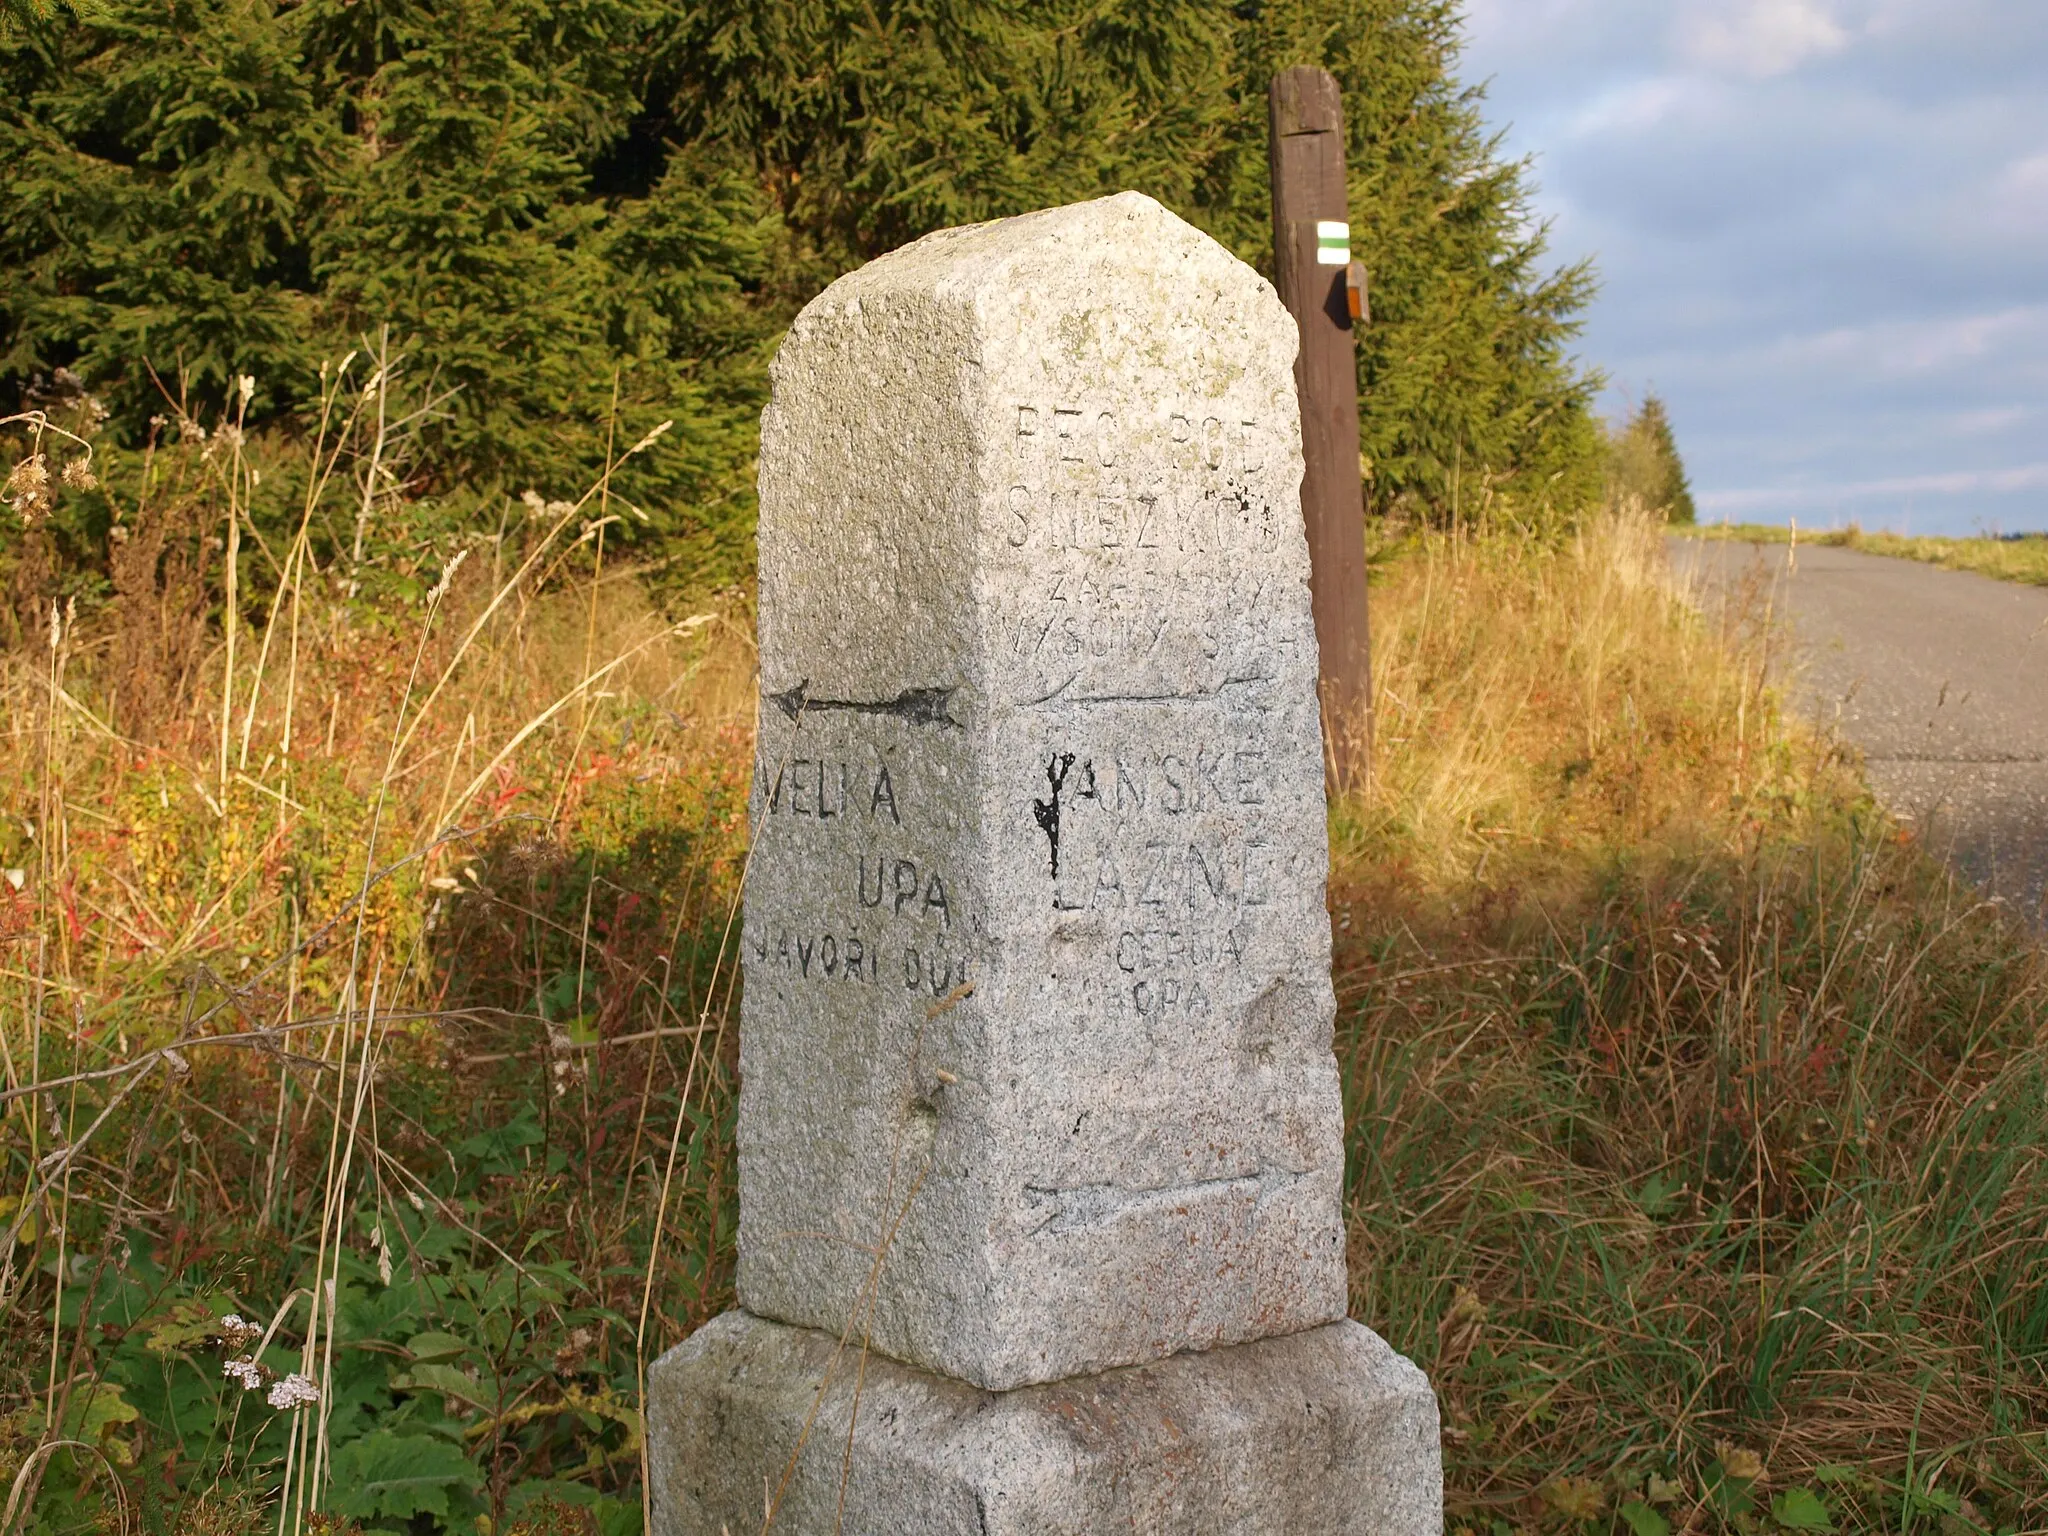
[1040,1135]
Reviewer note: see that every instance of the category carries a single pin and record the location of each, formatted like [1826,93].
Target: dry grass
[1695,1142]
[1694,1114]
[367,968]
[2021,559]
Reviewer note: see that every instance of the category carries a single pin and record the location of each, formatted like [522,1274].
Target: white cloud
[1494,20]
[1759,38]
[1938,352]
[1957,482]
[2019,196]
[1898,348]
[1822,228]
[1991,419]
[1634,106]
[2028,177]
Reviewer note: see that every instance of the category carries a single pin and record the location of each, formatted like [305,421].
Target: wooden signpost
[1325,291]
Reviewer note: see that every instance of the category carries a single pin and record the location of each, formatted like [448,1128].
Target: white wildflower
[246,1371]
[293,1391]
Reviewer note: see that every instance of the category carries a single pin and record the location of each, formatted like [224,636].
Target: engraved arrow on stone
[1061,697]
[1086,1205]
[918,706]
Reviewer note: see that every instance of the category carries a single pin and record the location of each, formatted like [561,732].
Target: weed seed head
[28,489]
[649,440]
[447,576]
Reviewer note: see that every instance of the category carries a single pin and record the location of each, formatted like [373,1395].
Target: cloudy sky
[1822,227]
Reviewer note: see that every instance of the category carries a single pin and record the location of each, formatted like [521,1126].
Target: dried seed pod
[28,489]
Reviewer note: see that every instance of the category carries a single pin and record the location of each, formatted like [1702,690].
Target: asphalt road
[1939,678]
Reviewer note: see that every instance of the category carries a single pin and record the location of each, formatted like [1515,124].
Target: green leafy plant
[1801,1509]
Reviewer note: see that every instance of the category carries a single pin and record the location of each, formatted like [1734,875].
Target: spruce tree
[874,123]
[539,199]
[224,187]
[1644,464]
[1466,381]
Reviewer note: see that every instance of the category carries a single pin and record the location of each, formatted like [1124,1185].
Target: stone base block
[1313,1434]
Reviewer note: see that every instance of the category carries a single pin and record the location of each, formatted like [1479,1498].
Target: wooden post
[1311,260]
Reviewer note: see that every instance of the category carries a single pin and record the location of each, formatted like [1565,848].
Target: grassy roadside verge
[1695,1143]
[1695,1114]
[2022,559]
[365,986]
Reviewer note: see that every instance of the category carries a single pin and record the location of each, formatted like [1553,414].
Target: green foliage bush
[542,199]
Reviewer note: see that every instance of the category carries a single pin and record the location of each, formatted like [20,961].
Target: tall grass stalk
[1693,1115]
[222,899]
[1693,1110]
